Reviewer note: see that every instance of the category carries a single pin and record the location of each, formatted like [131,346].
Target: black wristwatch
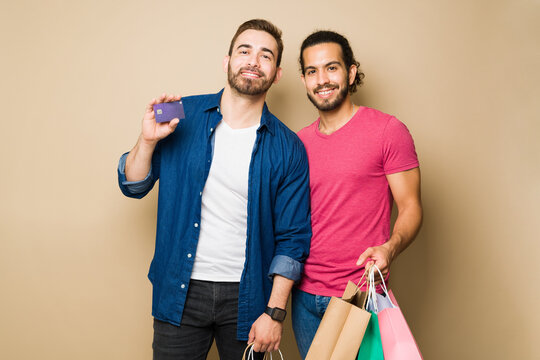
[276,313]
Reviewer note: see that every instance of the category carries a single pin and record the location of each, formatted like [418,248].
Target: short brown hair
[260,25]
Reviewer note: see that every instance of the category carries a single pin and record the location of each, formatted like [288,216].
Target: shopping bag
[342,327]
[371,347]
[249,354]
[383,301]
[397,340]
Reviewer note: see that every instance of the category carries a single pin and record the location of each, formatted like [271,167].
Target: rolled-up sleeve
[286,267]
[135,189]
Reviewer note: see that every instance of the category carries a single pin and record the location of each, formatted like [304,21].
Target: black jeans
[211,311]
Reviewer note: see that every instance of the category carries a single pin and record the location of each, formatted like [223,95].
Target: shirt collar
[267,119]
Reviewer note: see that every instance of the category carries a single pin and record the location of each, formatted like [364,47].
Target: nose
[322,78]
[253,60]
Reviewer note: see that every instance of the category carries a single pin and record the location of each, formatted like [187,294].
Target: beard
[328,104]
[246,86]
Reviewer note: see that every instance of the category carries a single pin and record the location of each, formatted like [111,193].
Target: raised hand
[139,160]
[152,132]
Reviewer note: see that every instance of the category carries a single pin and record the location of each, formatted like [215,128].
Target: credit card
[165,112]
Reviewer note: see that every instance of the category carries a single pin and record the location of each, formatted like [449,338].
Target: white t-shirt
[222,241]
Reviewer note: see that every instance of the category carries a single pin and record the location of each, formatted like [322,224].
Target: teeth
[325,92]
[250,74]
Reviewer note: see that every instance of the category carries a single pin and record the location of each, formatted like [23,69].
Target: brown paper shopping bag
[342,328]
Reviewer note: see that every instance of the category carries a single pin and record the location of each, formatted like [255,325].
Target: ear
[278,75]
[352,74]
[226,63]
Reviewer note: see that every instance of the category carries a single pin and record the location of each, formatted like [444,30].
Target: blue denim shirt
[278,219]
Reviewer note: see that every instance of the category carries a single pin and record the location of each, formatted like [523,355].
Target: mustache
[326,87]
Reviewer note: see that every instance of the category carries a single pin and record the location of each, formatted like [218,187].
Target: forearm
[139,160]
[406,228]
[265,333]
[280,292]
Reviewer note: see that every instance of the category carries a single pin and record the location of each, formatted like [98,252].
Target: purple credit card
[165,112]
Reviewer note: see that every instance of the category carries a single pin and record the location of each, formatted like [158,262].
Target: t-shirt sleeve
[399,153]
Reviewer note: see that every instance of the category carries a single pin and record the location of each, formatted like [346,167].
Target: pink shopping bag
[397,340]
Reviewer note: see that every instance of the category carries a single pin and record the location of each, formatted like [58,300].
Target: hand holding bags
[342,328]
[345,326]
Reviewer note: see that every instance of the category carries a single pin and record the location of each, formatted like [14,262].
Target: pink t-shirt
[351,201]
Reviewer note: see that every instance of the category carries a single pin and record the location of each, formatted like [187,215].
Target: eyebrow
[335,62]
[251,47]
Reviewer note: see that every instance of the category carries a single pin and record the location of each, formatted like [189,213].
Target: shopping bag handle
[372,288]
[359,284]
[371,291]
[267,355]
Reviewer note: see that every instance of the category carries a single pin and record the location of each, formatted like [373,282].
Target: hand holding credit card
[165,112]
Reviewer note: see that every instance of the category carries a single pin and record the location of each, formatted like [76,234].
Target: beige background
[76,75]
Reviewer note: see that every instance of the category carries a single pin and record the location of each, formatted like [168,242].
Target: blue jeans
[307,313]
[211,312]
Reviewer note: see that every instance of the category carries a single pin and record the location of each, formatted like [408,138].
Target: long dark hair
[326,36]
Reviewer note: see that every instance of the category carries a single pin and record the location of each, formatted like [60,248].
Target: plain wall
[76,76]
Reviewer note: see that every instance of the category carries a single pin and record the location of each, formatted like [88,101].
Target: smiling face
[251,68]
[325,76]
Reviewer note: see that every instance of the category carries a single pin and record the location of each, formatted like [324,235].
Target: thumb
[251,337]
[173,123]
[364,256]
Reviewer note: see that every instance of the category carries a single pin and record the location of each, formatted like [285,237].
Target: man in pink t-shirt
[361,160]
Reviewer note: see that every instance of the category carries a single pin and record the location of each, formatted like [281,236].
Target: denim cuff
[286,267]
[134,187]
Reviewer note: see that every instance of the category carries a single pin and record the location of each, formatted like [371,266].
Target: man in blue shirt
[233,226]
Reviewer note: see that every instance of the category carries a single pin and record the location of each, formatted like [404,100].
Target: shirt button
[196,225]
[217,109]
[182,286]
[188,255]
[200,194]
[211,129]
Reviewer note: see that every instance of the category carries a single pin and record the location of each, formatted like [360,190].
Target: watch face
[278,314]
